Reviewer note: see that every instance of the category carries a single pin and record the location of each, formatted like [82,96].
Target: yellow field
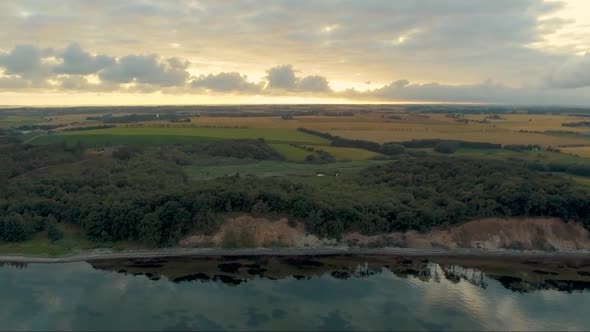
[379,127]
[583,151]
[534,122]
[395,127]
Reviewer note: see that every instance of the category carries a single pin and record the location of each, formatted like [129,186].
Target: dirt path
[208,252]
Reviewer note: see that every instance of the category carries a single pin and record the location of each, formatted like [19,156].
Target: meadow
[277,169]
[176,134]
[299,153]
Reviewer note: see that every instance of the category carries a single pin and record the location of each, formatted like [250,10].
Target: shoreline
[331,251]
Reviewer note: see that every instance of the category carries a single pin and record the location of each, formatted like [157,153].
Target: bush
[54,233]
[446,147]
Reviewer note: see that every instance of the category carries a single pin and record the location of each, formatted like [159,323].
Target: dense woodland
[144,195]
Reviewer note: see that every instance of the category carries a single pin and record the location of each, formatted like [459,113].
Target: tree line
[150,200]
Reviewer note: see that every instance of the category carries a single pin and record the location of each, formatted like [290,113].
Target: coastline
[328,251]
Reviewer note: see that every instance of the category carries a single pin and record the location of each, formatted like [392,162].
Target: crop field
[383,127]
[16,120]
[153,135]
[582,151]
[534,122]
[115,140]
[277,169]
[464,134]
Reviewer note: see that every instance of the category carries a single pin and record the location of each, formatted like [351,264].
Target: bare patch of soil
[548,234]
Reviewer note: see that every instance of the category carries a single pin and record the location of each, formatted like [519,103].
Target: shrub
[446,147]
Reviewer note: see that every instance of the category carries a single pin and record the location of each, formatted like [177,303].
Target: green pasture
[341,153]
[290,152]
[149,135]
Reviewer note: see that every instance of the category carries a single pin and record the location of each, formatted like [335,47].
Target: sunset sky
[109,52]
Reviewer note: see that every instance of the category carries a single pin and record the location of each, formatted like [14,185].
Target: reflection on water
[297,293]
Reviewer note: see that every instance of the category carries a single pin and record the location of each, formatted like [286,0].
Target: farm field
[582,151]
[457,132]
[152,135]
[384,127]
[380,126]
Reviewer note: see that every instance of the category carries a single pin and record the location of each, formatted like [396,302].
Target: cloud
[77,61]
[455,41]
[13,83]
[148,69]
[284,77]
[485,92]
[225,82]
[314,83]
[573,74]
[281,77]
[25,61]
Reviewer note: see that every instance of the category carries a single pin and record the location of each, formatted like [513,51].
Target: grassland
[74,239]
[114,140]
[290,152]
[17,120]
[154,135]
[277,168]
[340,153]
[296,153]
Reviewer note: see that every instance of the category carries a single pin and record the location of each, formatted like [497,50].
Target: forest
[144,195]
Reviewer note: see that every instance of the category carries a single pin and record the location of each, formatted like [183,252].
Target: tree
[150,229]
[446,147]
[53,232]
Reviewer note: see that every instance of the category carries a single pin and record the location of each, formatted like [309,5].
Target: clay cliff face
[550,234]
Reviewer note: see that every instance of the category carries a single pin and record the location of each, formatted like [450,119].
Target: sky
[111,52]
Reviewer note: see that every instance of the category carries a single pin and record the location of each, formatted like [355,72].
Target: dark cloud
[13,83]
[225,82]
[77,61]
[284,77]
[281,77]
[146,70]
[314,84]
[25,61]
[573,74]
[74,83]
[486,92]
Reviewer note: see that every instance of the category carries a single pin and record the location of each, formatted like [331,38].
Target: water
[320,293]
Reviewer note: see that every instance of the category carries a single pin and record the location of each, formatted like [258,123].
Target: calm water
[337,293]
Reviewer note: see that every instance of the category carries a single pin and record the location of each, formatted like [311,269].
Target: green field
[294,153]
[277,168]
[290,152]
[114,140]
[148,136]
[341,153]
